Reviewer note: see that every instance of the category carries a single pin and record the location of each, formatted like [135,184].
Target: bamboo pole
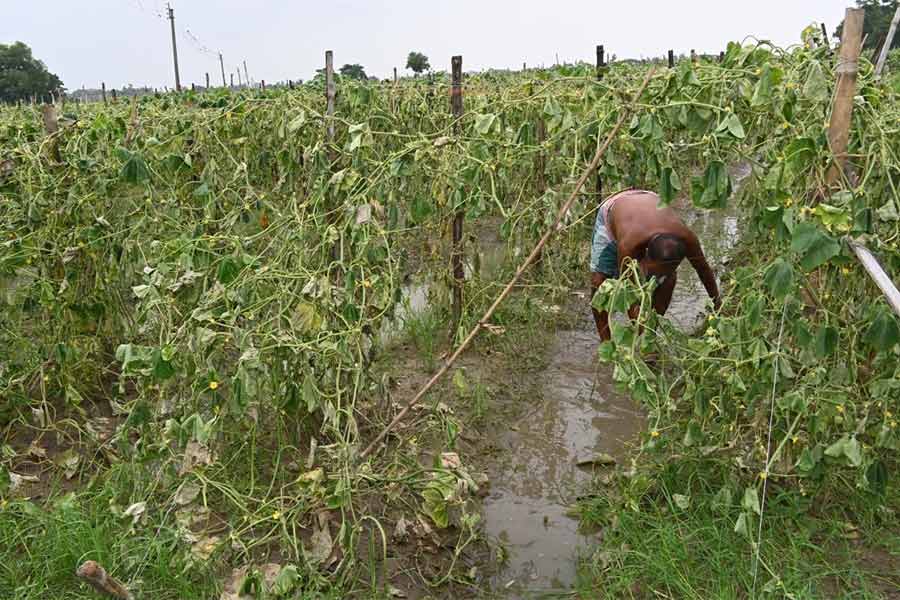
[842,111]
[881,279]
[591,168]
[879,66]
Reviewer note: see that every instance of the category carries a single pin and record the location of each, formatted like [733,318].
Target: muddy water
[578,415]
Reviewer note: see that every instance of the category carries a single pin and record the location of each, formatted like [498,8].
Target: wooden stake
[842,111]
[456,252]
[103,91]
[600,62]
[519,272]
[671,59]
[230,80]
[207,80]
[222,66]
[886,47]
[395,74]
[329,93]
[51,122]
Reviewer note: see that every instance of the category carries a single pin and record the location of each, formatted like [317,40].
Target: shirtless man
[631,224]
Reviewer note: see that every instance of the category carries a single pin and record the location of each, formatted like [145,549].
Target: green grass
[812,546]
[42,546]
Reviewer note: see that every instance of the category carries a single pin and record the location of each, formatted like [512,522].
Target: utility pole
[246,77]
[231,78]
[222,65]
[174,47]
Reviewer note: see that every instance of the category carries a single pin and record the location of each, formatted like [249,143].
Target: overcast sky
[128,41]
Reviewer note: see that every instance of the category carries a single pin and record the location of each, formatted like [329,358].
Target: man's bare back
[633,225]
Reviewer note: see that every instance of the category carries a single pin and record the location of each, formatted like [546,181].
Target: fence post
[671,59]
[693,56]
[207,80]
[600,62]
[600,65]
[115,95]
[103,91]
[262,85]
[841,114]
[456,255]
[329,94]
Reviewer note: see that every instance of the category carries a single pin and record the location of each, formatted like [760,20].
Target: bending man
[631,224]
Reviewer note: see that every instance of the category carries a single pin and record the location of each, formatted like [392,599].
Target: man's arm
[704,272]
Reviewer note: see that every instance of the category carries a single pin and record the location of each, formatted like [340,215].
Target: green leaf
[484,122]
[286,581]
[762,93]
[713,189]
[815,247]
[826,341]
[228,270]
[883,333]
[751,500]
[310,394]
[297,122]
[732,124]
[779,278]
[681,501]
[741,526]
[669,185]
[799,155]
[816,87]
[135,169]
[308,319]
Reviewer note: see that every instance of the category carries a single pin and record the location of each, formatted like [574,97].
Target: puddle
[538,480]
[579,414]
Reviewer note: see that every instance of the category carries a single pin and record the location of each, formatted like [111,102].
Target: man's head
[664,253]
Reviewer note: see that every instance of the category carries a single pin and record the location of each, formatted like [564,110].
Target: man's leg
[601,319]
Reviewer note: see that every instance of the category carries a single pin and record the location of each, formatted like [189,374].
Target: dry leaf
[401,530]
[450,460]
[36,450]
[186,494]
[203,548]
[194,454]
[321,541]
[135,511]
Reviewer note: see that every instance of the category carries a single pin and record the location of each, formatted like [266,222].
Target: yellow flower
[213,385]
[840,408]
[654,433]
[276,515]
[795,439]
[763,475]
[710,332]
[845,270]
[788,201]
[785,125]
[367,283]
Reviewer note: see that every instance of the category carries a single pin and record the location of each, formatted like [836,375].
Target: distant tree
[354,71]
[23,76]
[878,19]
[417,62]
